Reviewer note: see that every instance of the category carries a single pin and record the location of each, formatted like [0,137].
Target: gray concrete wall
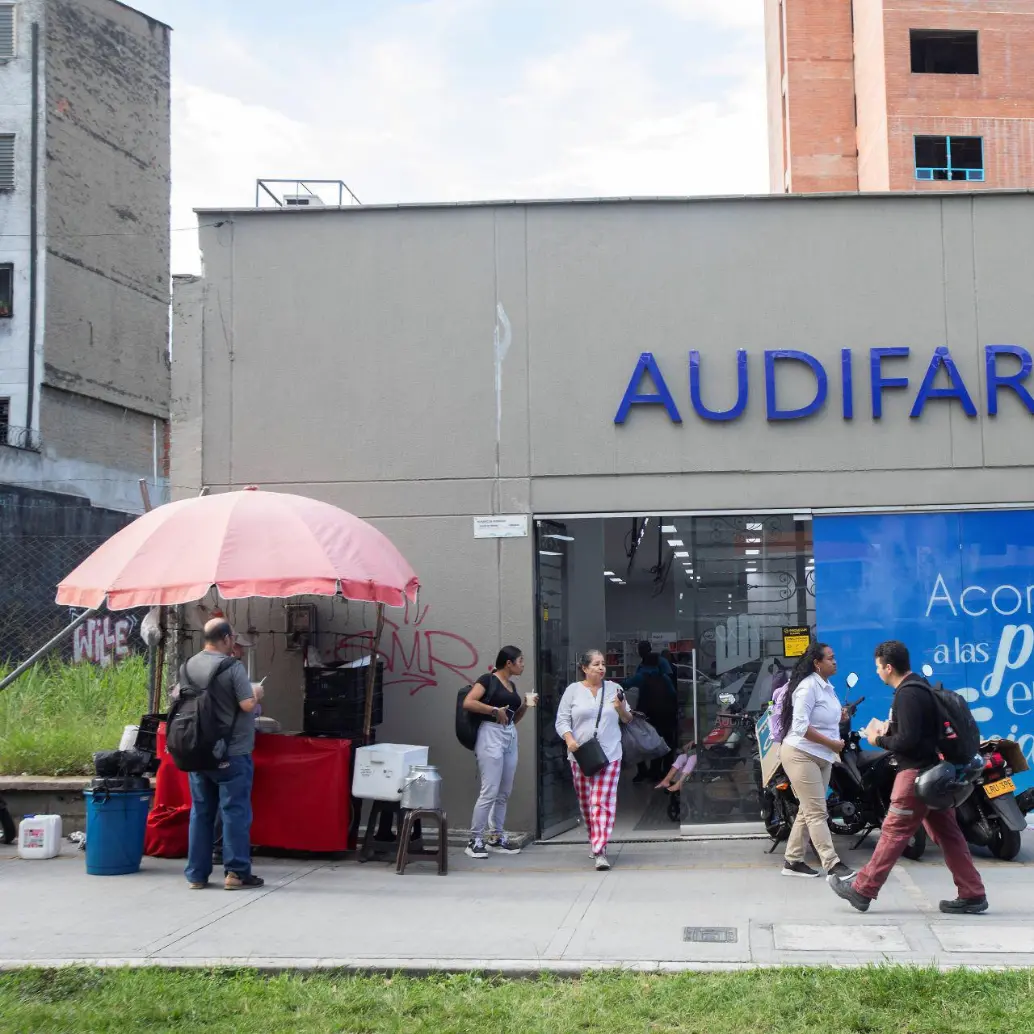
[355,361]
[107,181]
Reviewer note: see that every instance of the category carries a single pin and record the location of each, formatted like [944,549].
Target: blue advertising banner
[956,588]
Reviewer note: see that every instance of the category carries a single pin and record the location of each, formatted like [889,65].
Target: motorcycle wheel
[8,830]
[917,845]
[1005,844]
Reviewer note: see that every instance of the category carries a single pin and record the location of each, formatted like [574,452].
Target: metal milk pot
[422,789]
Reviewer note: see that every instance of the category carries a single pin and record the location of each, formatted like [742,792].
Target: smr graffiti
[103,640]
[414,656]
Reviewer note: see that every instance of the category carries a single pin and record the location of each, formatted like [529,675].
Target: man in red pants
[911,736]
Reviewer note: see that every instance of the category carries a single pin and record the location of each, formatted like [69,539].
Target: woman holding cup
[594,710]
[498,705]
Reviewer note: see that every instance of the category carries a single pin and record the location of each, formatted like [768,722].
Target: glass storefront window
[712,596]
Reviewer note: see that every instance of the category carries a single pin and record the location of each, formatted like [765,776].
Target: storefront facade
[711,422]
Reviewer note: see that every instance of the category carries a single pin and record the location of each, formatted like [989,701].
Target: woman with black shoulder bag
[498,705]
[589,721]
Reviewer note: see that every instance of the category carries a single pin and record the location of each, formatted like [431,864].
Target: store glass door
[557,802]
[743,584]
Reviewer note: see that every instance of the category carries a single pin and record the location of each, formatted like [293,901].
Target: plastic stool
[407,851]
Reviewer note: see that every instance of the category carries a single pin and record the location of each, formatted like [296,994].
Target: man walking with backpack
[913,736]
[212,736]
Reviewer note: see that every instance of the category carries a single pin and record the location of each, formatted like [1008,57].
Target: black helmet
[939,788]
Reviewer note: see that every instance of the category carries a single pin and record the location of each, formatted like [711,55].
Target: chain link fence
[41,541]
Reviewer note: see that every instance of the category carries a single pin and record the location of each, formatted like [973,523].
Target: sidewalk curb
[511,969]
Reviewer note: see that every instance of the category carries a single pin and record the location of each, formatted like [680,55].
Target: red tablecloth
[301,798]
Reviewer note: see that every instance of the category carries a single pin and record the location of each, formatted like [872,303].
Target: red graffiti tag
[413,656]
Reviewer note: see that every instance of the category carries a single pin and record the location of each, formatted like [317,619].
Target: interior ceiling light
[755,527]
[753,552]
[608,574]
[669,529]
[681,555]
[560,538]
[675,542]
[548,552]
[754,538]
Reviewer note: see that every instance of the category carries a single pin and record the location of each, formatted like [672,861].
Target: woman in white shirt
[576,722]
[812,714]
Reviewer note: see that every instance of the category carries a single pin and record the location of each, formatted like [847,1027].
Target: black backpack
[467,724]
[958,735]
[195,737]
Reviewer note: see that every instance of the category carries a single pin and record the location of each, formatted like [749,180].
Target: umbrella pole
[44,650]
[371,675]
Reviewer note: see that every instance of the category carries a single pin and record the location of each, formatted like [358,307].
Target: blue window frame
[949,158]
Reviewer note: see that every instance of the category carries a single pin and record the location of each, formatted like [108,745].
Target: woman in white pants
[496,701]
[579,718]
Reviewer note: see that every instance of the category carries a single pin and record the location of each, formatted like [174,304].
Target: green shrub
[56,715]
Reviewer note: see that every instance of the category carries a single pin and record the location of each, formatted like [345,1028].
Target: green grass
[56,715]
[783,1001]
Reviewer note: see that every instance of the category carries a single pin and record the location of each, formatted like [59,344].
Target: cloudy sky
[427,100]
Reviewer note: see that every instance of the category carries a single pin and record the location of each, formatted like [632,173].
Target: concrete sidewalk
[545,909]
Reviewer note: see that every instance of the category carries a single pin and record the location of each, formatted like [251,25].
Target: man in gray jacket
[225,790]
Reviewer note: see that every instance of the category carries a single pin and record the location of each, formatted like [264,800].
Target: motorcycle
[992,816]
[859,794]
[8,829]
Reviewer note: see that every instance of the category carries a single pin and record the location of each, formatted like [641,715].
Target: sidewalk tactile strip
[984,938]
[710,934]
[838,939]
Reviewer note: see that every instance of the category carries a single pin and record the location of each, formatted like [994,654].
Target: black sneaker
[799,869]
[842,872]
[843,889]
[964,906]
[476,848]
[503,845]
[234,881]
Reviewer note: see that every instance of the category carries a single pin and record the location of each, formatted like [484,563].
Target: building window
[6,290]
[5,420]
[950,158]
[7,40]
[944,53]
[7,161]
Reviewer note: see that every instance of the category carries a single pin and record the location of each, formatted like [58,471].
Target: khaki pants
[809,777]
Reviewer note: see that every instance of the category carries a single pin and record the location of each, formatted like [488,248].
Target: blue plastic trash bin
[116,823]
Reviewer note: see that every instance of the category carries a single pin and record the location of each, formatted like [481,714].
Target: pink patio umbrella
[244,544]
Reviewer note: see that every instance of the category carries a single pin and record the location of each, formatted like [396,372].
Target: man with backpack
[212,736]
[915,735]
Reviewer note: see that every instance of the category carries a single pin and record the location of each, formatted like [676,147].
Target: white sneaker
[476,848]
[602,862]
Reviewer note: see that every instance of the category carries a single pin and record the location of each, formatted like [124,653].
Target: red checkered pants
[598,799]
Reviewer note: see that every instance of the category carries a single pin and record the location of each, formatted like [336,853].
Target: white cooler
[380,769]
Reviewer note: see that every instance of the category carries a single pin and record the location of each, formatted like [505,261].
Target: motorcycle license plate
[1003,786]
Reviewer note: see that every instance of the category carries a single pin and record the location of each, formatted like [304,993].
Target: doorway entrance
[711,600]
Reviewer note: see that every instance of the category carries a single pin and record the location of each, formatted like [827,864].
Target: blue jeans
[226,790]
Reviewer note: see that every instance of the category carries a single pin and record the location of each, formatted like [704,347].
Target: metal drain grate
[710,934]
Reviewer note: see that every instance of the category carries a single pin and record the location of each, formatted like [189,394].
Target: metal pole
[371,675]
[43,651]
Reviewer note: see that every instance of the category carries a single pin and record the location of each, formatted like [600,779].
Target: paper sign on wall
[796,641]
[501,527]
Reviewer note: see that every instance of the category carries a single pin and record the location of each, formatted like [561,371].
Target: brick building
[84,290]
[878,95]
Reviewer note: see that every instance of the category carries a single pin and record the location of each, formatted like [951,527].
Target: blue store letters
[1007,367]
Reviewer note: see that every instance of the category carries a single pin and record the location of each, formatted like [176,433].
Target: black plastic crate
[335,701]
[340,683]
[323,718]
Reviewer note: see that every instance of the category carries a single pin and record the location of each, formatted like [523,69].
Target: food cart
[244,545]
